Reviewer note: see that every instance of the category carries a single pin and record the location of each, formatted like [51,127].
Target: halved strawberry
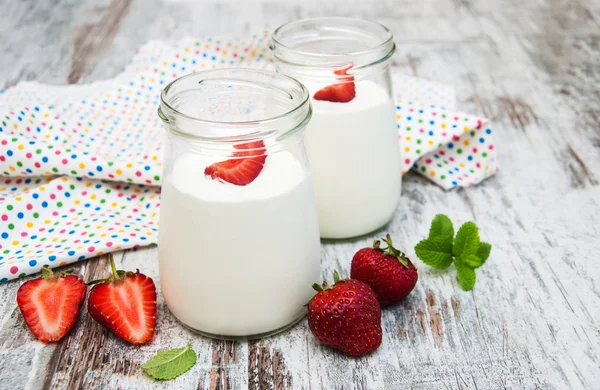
[125,304]
[342,92]
[50,304]
[243,169]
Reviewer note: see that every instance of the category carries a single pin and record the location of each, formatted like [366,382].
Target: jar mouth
[332,42]
[234,104]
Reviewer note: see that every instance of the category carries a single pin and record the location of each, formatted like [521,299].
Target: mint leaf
[434,252]
[467,240]
[472,261]
[466,250]
[441,227]
[167,365]
[466,275]
[484,251]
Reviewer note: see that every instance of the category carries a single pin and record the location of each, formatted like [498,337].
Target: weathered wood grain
[533,320]
[93,36]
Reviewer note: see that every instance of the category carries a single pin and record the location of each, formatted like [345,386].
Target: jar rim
[252,128]
[375,54]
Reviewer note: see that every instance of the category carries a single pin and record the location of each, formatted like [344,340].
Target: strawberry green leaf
[467,240]
[434,253]
[441,228]
[167,365]
[466,275]
[484,251]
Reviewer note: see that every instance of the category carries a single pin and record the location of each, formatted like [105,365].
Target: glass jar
[352,139]
[238,240]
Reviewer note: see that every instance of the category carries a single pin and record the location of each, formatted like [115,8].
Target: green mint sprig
[167,365]
[466,250]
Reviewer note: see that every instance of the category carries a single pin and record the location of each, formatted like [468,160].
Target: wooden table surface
[533,320]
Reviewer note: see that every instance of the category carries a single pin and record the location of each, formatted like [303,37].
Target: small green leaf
[472,261]
[434,253]
[484,251]
[441,227]
[467,240]
[465,250]
[167,365]
[466,275]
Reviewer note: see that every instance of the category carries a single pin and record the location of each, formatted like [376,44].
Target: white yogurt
[238,260]
[354,158]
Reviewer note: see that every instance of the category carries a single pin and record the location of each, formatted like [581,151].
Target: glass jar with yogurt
[238,240]
[352,139]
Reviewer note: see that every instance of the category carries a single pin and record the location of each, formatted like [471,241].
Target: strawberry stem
[391,251]
[325,286]
[47,272]
[113,267]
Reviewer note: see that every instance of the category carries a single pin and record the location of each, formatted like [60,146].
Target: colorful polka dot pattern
[80,165]
[449,148]
[68,219]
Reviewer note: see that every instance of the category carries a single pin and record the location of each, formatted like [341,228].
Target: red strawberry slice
[243,169]
[50,304]
[253,148]
[341,92]
[125,304]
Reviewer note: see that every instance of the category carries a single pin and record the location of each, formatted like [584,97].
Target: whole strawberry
[50,304]
[346,316]
[387,270]
[125,304]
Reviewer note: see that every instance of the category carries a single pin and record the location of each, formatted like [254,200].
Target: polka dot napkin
[80,166]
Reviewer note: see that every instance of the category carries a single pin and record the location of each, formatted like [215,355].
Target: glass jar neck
[315,46]
[229,106]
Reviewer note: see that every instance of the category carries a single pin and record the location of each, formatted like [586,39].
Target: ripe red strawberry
[346,316]
[125,303]
[50,304]
[388,271]
[342,92]
[243,169]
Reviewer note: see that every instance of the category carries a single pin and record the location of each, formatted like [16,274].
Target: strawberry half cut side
[125,304]
[242,170]
[342,92]
[50,304]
